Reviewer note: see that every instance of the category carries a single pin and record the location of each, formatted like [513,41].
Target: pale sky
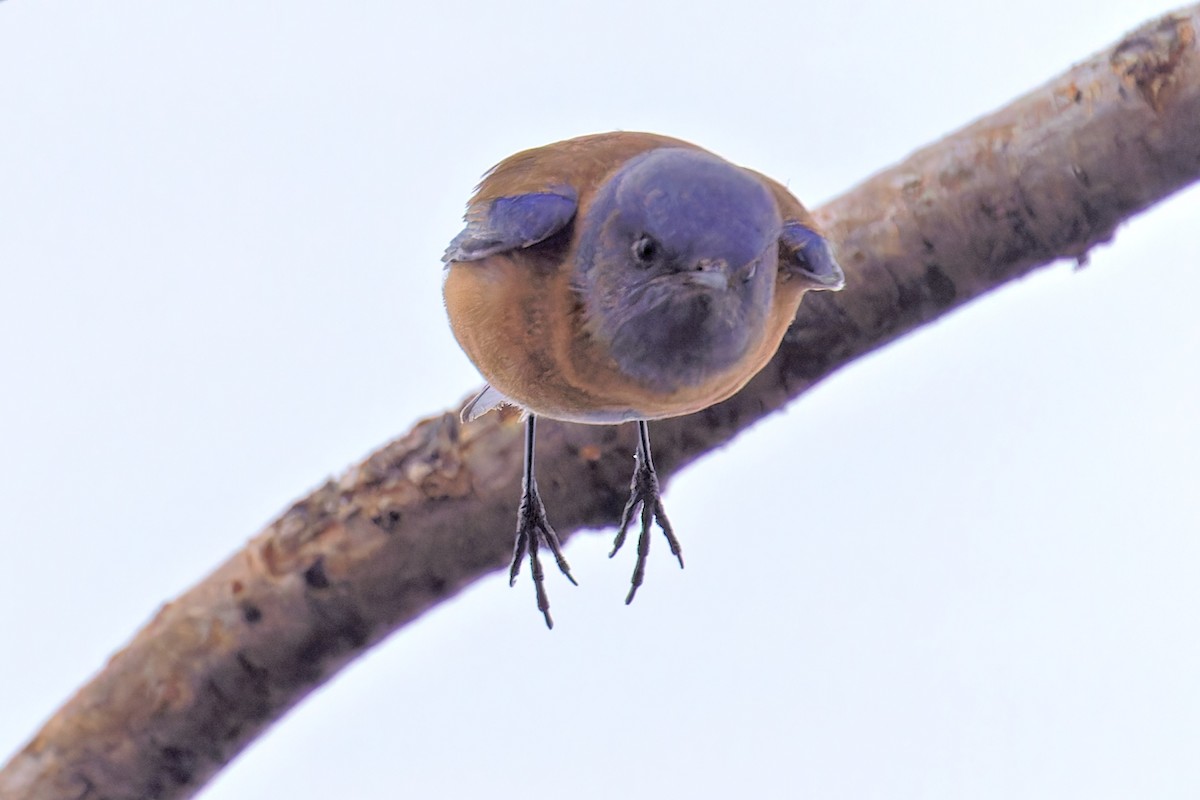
[964,566]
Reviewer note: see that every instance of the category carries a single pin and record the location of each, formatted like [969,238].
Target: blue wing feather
[511,223]
[807,254]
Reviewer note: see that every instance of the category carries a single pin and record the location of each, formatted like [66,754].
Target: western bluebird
[623,277]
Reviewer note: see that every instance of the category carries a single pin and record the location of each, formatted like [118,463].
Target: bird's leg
[533,531]
[644,492]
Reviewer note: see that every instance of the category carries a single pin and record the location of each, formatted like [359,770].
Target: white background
[963,567]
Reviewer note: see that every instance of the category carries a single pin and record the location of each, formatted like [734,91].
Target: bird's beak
[712,273]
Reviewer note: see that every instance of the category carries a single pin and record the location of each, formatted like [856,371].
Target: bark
[1048,177]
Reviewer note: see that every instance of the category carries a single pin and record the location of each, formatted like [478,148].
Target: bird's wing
[501,224]
[806,254]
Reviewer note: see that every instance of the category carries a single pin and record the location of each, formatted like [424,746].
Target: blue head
[676,265]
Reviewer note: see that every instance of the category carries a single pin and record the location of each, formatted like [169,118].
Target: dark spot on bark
[341,630]
[179,764]
[389,521]
[315,576]
[257,679]
[1030,211]
[216,691]
[252,692]
[250,668]
[941,289]
[251,613]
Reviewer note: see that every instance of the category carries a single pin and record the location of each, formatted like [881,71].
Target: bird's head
[677,263]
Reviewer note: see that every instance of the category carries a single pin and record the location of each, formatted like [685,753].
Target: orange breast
[522,327]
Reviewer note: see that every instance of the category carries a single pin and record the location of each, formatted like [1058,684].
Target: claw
[533,531]
[644,496]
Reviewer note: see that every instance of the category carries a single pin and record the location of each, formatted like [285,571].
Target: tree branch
[1048,177]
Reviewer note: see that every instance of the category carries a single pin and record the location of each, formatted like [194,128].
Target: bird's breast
[524,326]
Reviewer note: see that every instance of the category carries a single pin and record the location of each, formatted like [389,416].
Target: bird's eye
[645,249]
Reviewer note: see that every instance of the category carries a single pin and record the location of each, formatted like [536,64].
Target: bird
[623,277]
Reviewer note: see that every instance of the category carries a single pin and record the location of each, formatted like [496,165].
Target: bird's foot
[534,531]
[646,496]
